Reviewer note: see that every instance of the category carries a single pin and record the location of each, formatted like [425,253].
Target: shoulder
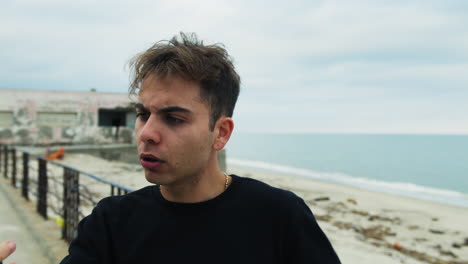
[256,190]
[257,187]
[122,203]
[110,211]
[144,193]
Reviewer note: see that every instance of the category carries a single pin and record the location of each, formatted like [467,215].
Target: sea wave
[400,188]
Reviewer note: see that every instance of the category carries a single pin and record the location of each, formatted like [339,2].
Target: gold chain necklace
[226,184]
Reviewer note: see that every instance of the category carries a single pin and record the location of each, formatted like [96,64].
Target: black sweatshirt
[250,222]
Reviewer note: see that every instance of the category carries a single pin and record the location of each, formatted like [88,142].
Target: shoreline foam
[407,189]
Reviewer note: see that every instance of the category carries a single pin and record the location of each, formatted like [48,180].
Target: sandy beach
[363,226]
[372,227]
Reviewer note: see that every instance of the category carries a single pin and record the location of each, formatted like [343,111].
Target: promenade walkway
[38,241]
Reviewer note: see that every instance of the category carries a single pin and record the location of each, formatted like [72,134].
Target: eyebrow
[167,109]
[140,107]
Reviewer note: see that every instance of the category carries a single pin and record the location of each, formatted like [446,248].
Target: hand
[6,248]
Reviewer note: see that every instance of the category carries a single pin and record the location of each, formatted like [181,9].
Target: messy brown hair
[185,56]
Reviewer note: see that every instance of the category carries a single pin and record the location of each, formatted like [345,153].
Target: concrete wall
[118,152]
[30,117]
[125,153]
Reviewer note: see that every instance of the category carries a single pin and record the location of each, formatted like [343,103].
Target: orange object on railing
[57,155]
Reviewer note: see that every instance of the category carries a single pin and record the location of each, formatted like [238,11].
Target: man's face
[172,131]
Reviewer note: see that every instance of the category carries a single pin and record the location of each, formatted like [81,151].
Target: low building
[34,117]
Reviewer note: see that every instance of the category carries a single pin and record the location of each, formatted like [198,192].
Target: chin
[156,178]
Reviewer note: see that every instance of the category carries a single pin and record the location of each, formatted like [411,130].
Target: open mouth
[149,161]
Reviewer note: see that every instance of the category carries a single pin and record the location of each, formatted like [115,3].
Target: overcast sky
[395,66]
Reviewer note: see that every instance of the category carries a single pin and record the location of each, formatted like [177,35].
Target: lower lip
[150,164]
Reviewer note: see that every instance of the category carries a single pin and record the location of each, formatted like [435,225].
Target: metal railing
[42,184]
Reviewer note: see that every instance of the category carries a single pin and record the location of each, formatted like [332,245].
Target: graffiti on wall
[28,122]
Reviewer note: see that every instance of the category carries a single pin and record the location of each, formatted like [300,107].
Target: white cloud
[313,65]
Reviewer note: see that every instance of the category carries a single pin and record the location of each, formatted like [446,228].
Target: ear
[223,131]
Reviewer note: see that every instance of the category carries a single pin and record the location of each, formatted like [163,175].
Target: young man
[195,213]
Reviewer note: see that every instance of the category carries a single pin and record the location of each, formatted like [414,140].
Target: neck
[198,188]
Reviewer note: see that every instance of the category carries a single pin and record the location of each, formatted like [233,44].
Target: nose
[148,131]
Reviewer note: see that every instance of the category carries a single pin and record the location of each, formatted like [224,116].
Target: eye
[173,120]
[142,115]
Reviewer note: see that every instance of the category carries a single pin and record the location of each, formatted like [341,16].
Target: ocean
[430,167]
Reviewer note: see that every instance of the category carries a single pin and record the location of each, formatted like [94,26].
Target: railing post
[25,183]
[1,150]
[112,190]
[42,188]
[5,162]
[71,203]
[13,169]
